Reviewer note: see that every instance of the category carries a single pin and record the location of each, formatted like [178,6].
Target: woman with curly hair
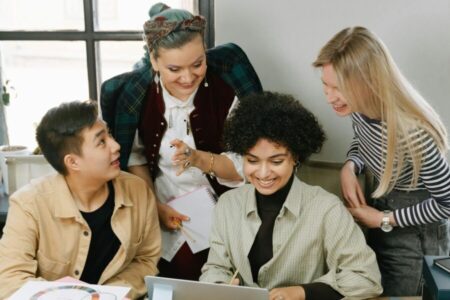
[279,233]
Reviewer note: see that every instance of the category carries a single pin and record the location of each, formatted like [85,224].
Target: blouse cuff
[237,161]
[320,290]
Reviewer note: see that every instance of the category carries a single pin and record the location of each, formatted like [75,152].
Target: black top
[320,291]
[104,243]
[269,207]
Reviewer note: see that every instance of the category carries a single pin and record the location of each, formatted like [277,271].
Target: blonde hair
[371,82]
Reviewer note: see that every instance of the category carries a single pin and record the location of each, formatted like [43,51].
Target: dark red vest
[211,104]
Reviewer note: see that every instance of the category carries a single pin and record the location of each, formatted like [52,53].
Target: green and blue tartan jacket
[122,97]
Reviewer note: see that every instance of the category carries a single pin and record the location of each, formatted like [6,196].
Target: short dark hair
[276,117]
[58,133]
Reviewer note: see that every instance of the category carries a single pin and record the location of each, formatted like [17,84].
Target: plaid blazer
[122,97]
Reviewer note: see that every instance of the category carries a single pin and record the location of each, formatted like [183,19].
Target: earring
[156,80]
[296,166]
[206,83]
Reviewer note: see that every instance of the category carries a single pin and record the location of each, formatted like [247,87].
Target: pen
[234,276]
[184,231]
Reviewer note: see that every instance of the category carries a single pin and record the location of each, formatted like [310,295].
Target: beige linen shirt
[46,238]
[314,240]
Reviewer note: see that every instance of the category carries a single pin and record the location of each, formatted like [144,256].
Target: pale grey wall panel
[283,37]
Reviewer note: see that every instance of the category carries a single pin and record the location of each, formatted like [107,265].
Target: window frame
[91,37]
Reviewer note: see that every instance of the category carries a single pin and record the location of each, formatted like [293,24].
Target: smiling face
[99,159]
[334,97]
[268,166]
[182,69]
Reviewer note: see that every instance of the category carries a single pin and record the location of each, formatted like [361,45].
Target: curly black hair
[277,117]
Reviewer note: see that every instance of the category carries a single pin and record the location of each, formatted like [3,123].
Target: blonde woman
[402,141]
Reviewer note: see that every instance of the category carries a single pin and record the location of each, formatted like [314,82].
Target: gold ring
[186,164]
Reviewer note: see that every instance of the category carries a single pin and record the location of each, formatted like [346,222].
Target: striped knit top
[366,151]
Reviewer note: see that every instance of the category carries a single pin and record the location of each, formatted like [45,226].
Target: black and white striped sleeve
[435,175]
[353,155]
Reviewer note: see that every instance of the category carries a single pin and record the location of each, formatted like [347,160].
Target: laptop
[161,288]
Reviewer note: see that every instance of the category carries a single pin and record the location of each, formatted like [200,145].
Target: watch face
[386,227]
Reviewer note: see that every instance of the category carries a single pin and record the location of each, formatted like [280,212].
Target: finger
[352,199]
[185,165]
[178,158]
[180,217]
[178,155]
[345,196]
[185,218]
[176,224]
[180,171]
[187,151]
[274,292]
[177,143]
[169,222]
[235,281]
[361,197]
[171,225]
[182,153]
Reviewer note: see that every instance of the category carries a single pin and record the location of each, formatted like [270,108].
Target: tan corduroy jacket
[46,238]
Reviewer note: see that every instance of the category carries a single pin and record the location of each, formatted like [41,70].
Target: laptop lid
[161,288]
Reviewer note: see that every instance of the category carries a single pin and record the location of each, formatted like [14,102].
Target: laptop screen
[161,288]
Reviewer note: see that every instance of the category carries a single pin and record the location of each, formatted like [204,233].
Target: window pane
[41,15]
[119,57]
[131,15]
[41,75]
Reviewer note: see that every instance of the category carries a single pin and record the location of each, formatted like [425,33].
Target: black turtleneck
[269,207]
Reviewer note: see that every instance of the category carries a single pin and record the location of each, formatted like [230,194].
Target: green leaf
[5,99]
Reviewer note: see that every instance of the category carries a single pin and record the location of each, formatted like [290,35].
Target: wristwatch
[385,225]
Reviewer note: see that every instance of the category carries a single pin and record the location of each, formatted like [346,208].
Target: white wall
[283,37]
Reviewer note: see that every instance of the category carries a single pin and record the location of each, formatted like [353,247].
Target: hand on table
[287,293]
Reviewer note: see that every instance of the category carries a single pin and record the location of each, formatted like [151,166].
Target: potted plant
[6,93]
[7,151]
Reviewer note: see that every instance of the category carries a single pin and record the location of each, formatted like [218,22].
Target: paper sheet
[53,290]
[198,205]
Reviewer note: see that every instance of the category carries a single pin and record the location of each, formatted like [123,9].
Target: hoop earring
[205,84]
[156,80]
